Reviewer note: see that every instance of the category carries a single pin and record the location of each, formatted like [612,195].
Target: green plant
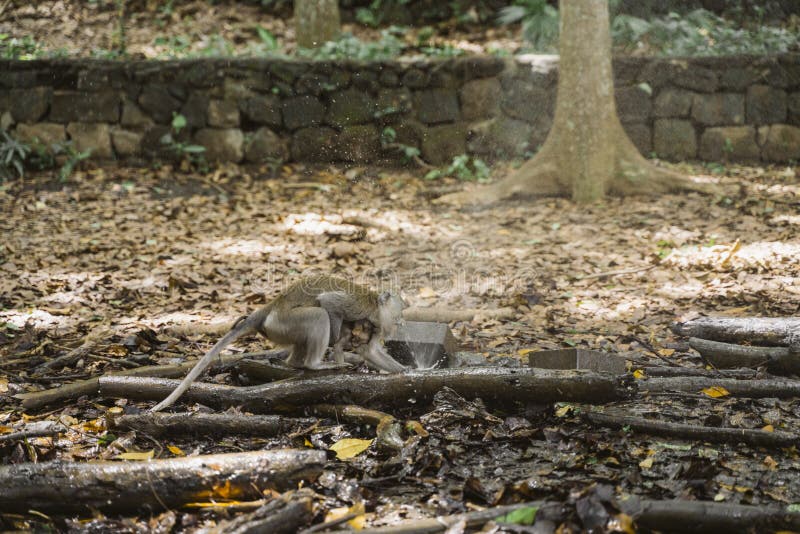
[727,146]
[442,51]
[539,22]
[73,158]
[176,46]
[700,32]
[268,42]
[464,168]
[15,48]
[375,14]
[119,37]
[389,141]
[350,47]
[216,46]
[194,155]
[13,154]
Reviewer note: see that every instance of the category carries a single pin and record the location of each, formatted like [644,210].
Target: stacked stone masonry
[263,110]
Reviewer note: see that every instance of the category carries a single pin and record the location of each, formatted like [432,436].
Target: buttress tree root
[587,154]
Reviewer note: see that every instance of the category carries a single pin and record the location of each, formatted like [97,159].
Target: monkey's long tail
[242,328]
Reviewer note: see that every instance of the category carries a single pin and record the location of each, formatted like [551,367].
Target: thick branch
[208,424]
[779,360]
[757,438]
[493,385]
[690,371]
[37,399]
[82,487]
[777,387]
[775,331]
[702,517]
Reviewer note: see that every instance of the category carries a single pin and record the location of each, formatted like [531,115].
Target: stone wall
[736,108]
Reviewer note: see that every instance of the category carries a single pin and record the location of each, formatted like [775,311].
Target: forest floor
[201,28]
[134,262]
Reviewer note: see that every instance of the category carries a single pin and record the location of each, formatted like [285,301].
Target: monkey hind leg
[306,329]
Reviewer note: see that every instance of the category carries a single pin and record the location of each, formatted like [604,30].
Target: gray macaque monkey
[308,316]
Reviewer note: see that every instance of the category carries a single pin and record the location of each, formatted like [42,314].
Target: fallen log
[72,487]
[209,424]
[779,360]
[660,371]
[708,517]
[38,399]
[498,386]
[771,331]
[771,387]
[756,438]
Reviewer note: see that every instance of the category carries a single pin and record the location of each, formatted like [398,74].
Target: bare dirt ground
[117,257]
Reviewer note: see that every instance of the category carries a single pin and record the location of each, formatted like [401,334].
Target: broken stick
[73,487]
[38,399]
[757,438]
[773,331]
[210,424]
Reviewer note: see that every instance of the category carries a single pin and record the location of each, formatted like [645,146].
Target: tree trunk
[587,154]
[316,22]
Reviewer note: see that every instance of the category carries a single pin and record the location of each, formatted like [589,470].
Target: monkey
[308,316]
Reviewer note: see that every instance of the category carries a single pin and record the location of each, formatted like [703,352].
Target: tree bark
[770,331]
[779,360]
[496,386]
[209,424]
[711,517]
[756,438]
[780,388]
[316,22]
[587,154]
[38,399]
[86,486]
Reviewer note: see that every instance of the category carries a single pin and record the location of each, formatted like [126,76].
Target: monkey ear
[384,297]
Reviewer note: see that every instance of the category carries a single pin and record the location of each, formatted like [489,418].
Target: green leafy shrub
[16,156]
[13,154]
[192,155]
[464,168]
[25,48]
[700,33]
[350,47]
[539,22]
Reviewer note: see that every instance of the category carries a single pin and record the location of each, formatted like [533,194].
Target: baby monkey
[308,316]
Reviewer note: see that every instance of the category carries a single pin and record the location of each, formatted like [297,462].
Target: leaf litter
[122,259]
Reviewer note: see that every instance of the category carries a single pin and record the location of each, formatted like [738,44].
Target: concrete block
[600,362]
[422,345]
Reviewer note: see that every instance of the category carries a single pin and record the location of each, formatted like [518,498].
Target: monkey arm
[376,356]
[342,338]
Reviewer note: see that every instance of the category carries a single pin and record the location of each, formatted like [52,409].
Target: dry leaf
[349,447]
[427,292]
[716,392]
[136,456]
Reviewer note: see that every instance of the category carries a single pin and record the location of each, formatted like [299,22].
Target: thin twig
[616,273]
